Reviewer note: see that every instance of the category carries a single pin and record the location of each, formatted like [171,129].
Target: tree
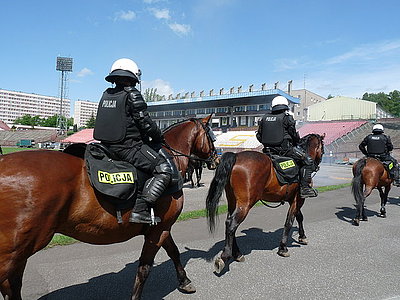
[150,95]
[91,122]
[389,102]
[329,96]
[28,120]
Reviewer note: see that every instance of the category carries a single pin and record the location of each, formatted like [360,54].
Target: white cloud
[366,52]
[84,72]
[180,29]
[353,83]
[163,87]
[161,13]
[125,15]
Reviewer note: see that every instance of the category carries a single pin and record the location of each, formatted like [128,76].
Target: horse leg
[231,249]
[149,251]
[384,197]
[299,218]
[198,175]
[185,285]
[11,287]
[283,251]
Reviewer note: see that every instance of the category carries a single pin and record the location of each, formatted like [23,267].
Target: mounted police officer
[379,145]
[124,126]
[277,132]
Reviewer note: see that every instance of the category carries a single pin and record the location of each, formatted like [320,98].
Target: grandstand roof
[223,99]
[4,126]
[83,136]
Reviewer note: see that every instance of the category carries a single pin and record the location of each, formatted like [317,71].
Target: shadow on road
[162,280]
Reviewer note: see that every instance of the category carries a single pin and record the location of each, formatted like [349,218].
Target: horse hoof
[382,215]
[365,219]
[356,222]
[219,265]
[187,289]
[283,253]
[240,258]
[303,241]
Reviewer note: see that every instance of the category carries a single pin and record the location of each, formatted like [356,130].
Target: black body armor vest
[376,144]
[111,117]
[273,131]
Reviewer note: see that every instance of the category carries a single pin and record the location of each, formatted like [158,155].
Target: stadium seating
[83,136]
[332,130]
[11,137]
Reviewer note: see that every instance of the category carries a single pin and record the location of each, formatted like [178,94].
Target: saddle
[111,177]
[119,180]
[286,169]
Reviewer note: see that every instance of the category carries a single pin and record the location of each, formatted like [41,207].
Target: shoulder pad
[129,88]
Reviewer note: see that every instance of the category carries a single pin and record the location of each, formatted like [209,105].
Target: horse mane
[305,140]
[177,124]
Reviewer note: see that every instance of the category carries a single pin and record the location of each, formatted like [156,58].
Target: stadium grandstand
[83,136]
[12,137]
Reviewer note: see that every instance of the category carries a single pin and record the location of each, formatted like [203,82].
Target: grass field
[59,240]
[7,150]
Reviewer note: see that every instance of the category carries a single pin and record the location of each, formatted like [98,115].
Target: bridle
[213,152]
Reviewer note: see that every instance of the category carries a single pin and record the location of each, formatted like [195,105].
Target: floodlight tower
[64,64]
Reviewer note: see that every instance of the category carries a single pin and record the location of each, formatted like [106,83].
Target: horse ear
[323,136]
[207,119]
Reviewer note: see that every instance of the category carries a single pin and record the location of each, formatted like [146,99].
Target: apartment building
[83,111]
[17,104]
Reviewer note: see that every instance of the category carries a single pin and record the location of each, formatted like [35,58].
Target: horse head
[313,144]
[204,143]
[193,137]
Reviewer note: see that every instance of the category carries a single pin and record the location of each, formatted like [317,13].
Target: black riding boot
[153,189]
[396,175]
[306,191]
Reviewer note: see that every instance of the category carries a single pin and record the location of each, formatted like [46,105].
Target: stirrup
[144,218]
[308,192]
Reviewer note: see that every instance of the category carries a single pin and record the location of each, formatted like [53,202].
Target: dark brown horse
[43,192]
[369,173]
[195,167]
[248,177]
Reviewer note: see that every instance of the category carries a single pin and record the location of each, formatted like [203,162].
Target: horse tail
[218,183]
[357,182]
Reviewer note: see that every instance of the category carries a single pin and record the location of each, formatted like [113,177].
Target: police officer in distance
[277,132]
[379,145]
[125,127]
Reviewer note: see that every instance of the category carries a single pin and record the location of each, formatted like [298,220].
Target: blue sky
[340,47]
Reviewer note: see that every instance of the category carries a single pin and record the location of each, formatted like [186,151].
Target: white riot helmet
[279,103]
[378,128]
[124,67]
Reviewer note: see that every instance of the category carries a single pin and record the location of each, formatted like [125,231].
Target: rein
[209,159]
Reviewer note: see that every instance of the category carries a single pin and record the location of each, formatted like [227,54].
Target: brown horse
[248,177]
[371,173]
[43,192]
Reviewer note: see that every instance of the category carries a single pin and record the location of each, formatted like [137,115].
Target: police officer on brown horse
[124,126]
[378,145]
[277,132]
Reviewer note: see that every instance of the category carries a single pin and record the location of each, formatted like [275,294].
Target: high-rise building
[83,111]
[14,105]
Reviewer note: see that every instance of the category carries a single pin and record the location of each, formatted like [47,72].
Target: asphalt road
[341,261]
